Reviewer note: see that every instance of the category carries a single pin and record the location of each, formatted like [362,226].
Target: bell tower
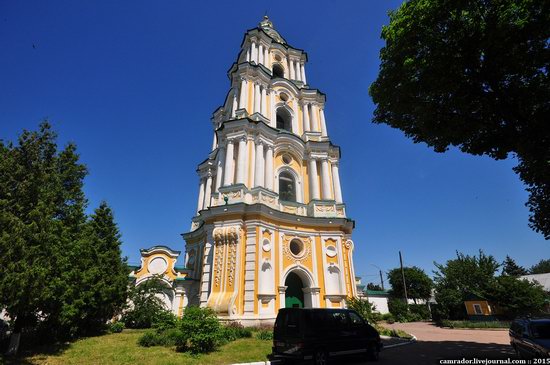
[271,229]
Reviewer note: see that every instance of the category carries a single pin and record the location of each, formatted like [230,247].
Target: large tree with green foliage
[59,271]
[542,267]
[474,75]
[460,277]
[510,268]
[419,285]
[516,297]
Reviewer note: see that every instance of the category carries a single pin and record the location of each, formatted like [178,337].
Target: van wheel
[373,353]
[320,357]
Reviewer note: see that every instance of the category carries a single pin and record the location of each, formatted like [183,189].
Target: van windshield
[541,330]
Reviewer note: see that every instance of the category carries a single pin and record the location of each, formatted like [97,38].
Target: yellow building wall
[482,303]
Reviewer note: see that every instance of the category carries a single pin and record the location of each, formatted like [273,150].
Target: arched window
[287,187]
[284,119]
[278,71]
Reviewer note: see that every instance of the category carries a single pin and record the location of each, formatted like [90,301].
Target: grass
[121,348]
[474,324]
[392,332]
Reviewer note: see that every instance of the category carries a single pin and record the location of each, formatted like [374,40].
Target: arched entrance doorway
[294,294]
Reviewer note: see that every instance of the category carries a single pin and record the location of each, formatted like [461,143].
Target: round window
[277,58]
[331,251]
[283,96]
[287,159]
[266,245]
[296,247]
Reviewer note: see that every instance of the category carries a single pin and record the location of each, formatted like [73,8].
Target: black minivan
[317,334]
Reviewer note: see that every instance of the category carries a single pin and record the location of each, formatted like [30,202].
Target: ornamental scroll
[225,255]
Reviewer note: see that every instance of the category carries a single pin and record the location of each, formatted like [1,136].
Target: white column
[273,117]
[314,118]
[336,181]
[266,58]
[261,54]
[229,166]
[207,191]
[251,146]
[214,142]
[254,56]
[291,63]
[323,123]
[325,179]
[305,109]
[219,167]
[313,179]
[243,97]
[298,77]
[256,98]
[303,74]
[269,168]
[264,102]
[201,196]
[234,104]
[241,162]
[259,165]
[248,55]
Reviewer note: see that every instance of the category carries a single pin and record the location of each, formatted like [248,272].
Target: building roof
[377,292]
[267,26]
[542,279]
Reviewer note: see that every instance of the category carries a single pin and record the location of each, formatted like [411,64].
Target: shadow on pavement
[430,352]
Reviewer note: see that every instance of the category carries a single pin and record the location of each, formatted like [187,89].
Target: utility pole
[381,280]
[403,276]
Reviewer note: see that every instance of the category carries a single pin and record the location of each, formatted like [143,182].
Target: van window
[339,319]
[355,319]
[293,323]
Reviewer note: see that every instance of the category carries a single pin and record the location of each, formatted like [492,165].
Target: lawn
[122,348]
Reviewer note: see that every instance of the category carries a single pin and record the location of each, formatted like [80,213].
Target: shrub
[264,335]
[399,309]
[363,307]
[149,339]
[171,337]
[474,324]
[201,330]
[116,327]
[388,317]
[164,320]
[235,330]
[420,311]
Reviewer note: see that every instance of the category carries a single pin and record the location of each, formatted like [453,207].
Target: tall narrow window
[278,71]
[284,119]
[287,187]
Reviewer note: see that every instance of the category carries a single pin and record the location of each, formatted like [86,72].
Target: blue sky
[134,84]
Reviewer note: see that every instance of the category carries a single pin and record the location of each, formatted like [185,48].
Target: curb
[409,342]
[267,362]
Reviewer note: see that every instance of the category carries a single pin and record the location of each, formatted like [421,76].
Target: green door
[294,296]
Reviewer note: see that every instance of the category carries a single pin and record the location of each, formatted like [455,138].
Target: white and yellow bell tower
[271,229]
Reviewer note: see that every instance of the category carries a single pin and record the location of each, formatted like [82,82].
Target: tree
[363,307]
[517,297]
[60,272]
[145,305]
[460,277]
[372,286]
[541,268]
[419,285]
[473,75]
[510,268]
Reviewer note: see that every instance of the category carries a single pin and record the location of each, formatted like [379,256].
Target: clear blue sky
[134,84]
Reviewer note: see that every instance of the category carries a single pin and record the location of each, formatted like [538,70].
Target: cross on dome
[267,26]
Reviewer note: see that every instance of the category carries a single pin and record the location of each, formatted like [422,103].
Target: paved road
[434,343]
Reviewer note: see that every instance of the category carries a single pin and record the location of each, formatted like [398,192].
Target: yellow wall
[484,307]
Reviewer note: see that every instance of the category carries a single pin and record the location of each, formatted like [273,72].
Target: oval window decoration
[266,245]
[287,159]
[158,265]
[331,251]
[296,247]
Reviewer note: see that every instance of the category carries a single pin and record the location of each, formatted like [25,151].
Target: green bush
[201,331]
[364,308]
[171,337]
[234,330]
[420,311]
[164,320]
[388,317]
[474,324]
[264,335]
[399,309]
[149,339]
[116,327]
